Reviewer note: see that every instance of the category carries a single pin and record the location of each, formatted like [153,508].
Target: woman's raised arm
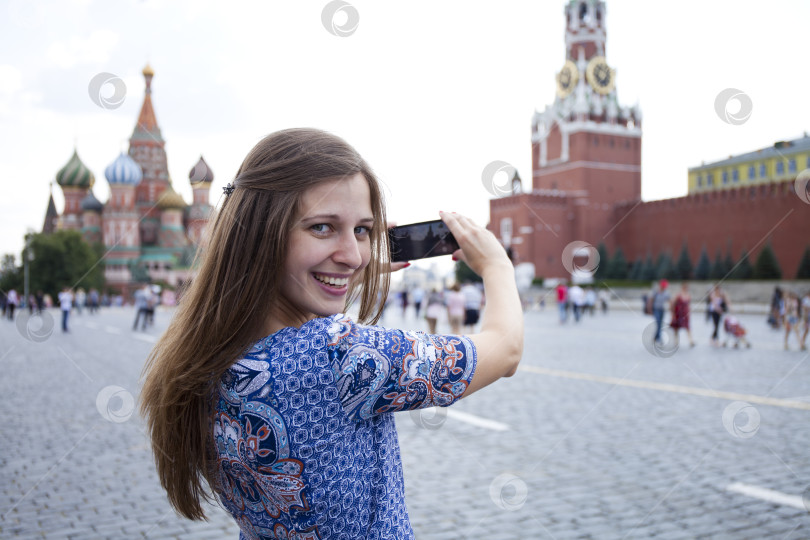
[499,344]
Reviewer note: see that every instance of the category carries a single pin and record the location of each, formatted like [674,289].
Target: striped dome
[123,170]
[91,203]
[171,200]
[75,174]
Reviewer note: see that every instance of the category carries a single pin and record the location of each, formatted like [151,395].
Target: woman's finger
[396,266]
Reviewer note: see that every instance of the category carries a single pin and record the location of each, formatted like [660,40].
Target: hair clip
[228,189]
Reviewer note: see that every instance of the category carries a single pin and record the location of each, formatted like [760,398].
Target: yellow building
[782,161]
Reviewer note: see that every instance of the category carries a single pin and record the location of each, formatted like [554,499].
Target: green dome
[75,174]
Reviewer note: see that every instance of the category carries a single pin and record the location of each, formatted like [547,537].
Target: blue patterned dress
[304,447]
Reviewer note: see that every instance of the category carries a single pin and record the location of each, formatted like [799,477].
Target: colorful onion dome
[171,200]
[75,174]
[124,170]
[90,203]
[201,173]
[148,71]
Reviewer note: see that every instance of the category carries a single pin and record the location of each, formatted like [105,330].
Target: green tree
[64,259]
[604,262]
[743,270]
[718,270]
[728,263]
[648,270]
[804,265]
[617,267]
[464,273]
[11,276]
[684,264]
[703,268]
[664,267]
[638,268]
[767,267]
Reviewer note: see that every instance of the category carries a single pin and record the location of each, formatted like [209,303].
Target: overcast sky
[428,92]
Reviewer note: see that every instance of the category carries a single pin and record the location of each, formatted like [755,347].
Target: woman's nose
[348,251]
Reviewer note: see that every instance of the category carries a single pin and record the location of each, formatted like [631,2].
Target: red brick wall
[741,218]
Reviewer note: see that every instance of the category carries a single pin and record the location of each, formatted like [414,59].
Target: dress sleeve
[380,370]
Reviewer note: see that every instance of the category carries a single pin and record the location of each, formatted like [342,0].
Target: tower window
[751,172]
[596,140]
[762,170]
[700,181]
[710,179]
[792,166]
[735,175]
[583,10]
[725,177]
[780,167]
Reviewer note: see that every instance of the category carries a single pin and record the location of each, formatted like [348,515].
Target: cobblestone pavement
[594,437]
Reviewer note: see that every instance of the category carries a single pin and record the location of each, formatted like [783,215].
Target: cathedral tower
[146,148]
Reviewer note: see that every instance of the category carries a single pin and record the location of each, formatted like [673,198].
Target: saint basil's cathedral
[148,231]
[586,180]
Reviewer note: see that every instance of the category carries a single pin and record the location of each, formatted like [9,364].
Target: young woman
[263,393]
[680,312]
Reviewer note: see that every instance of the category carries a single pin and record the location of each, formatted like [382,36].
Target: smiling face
[329,247]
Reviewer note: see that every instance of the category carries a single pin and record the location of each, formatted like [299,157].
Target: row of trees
[57,260]
[766,266]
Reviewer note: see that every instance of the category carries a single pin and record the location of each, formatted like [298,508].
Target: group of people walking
[461,305]
[579,301]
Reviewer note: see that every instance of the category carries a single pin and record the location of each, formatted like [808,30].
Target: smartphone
[420,241]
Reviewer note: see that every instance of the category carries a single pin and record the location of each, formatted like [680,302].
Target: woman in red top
[680,312]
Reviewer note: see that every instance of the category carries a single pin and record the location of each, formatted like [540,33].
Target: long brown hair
[226,307]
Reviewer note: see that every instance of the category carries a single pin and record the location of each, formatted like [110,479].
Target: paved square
[594,437]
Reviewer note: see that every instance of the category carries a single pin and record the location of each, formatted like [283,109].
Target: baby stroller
[734,330]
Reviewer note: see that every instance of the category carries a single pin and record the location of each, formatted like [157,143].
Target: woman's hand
[480,250]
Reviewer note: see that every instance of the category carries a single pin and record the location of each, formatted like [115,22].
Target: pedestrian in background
[473,302]
[790,317]
[141,306]
[576,297]
[418,295]
[660,303]
[65,304]
[11,304]
[590,300]
[454,301]
[604,296]
[680,312]
[81,300]
[805,316]
[434,309]
[775,316]
[405,301]
[718,305]
[562,301]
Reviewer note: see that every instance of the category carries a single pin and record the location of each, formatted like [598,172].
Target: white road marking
[768,495]
[650,385]
[145,337]
[477,420]
[112,330]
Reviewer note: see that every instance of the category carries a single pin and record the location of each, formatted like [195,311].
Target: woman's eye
[320,228]
[362,230]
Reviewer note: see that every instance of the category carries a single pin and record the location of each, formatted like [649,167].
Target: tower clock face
[600,76]
[567,79]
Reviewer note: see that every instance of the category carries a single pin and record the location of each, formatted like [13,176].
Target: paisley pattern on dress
[304,447]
